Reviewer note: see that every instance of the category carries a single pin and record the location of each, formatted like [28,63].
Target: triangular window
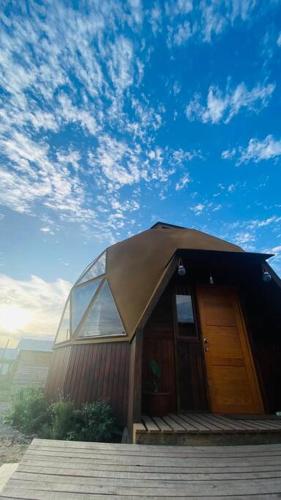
[64,326]
[103,317]
[81,297]
[95,270]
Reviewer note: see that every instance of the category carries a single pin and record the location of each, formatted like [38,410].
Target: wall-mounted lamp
[211,280]
[181,268]
[266,276]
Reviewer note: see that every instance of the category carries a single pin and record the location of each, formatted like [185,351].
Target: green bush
[63,419]
[95,422]
[30,412]
[33,415]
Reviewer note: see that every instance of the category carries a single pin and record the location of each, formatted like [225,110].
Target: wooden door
[231,376]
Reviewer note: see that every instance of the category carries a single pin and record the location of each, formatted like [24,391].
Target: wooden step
[206,429]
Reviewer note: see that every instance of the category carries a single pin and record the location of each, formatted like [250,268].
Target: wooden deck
[206,428]
[60,470]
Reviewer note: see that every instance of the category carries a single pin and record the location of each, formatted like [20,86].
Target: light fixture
[211,280]
[266,276]
[181,268]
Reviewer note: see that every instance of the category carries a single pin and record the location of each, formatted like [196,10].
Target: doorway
[231,376]
[191,392]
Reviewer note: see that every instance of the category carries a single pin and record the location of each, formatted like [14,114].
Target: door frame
[188,340]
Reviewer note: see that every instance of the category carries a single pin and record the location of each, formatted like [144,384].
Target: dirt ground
[12,443]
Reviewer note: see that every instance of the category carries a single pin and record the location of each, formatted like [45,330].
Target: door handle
[205,341]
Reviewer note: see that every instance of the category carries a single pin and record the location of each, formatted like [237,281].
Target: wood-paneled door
[232,381]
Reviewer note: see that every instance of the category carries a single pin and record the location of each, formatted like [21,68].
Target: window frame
[84,284]
[68,301]
[78,337]
[77,283]
[187,290]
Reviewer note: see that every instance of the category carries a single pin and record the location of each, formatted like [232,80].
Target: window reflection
[95,270]
[103,318]
[64,328]
[81,296]
[185,316]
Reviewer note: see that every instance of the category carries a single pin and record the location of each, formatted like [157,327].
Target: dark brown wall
[158,345]
[94,372]
[57,372]
[262,308]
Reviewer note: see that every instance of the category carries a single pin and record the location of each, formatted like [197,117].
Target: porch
[66,470]
[201,429]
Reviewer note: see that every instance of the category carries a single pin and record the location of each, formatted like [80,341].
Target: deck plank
[163,426]
[149,424]
[63,470]
[212,488]
[176,427]
[114,447]
[186,425]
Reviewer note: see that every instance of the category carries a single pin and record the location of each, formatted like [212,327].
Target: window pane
[64,328]
[81,297]
[95,270]
[103,318]
[184,309]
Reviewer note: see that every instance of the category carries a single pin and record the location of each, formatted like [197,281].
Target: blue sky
[117,114]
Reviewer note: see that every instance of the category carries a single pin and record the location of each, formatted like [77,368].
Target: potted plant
[156,402]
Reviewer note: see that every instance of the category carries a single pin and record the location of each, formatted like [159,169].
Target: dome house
[172,320]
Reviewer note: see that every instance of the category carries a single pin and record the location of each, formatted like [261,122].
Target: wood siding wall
[89,372]
[57,372]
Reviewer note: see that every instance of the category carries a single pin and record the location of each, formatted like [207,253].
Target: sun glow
[13,318]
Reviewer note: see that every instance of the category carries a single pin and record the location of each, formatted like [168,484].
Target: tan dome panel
[136,265]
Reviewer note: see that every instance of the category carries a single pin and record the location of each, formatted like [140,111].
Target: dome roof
[123,280]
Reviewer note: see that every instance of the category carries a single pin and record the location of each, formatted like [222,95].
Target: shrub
[30,413]
[95,422]
[62,419]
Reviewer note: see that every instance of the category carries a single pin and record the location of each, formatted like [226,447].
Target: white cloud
[69,113]
[176,88]
[32,177]
[258,223]
[180,35]
[244,238]
[71,126]
[183,182]
[41,301]
[224,106]
[121,63]
[204,20]
[198,209]
[258,150]
[175,8]
[217,16]
[47,230]
[206,206]
[155,19]
[276,249]
[227,154]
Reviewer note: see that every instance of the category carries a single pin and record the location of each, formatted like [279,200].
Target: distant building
[31,365]
[7,357]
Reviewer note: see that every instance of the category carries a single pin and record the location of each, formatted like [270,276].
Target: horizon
[115,115]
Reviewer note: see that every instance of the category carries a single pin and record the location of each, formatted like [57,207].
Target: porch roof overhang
[238,256]
[199,256]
